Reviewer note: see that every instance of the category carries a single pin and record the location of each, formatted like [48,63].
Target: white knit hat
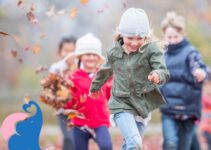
[85,45]
[134,22]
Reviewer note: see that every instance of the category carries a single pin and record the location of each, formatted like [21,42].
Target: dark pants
[177,134]
[67,139]
[195,142]
[81,138]
[208,139]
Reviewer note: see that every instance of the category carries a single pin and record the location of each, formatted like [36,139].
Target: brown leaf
[73,13]
[4,33]
[41,69]
[19,2]
[31,17]
[36,49]
[125,4]
[84,2]
[14,53]
[20,60]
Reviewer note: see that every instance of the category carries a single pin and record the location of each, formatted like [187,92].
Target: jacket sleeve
[196,62]
[103,74]
[158,65]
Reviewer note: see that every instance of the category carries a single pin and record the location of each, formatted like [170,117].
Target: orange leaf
[36,49]
[84,2]
[73,13]
[26,99]
[14,53]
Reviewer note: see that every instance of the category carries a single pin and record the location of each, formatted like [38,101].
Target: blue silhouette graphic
[27,131]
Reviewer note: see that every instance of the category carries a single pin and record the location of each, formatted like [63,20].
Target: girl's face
[66,49]
[90,61]
[172,36]
[132,44]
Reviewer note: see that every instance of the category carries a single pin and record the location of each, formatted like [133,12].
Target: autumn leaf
[27,48]
[14,53]
[61,12]
[125,3]
[42,35]
[84,2]
[51,11]
[63,93]
[72,115]
[36,49]
[41,69]
[4,33]
[31,17]
[20,60]
[73,13]
[26,99]
[19,3]
[17,38]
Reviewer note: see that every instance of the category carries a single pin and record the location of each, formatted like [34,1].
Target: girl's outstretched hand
[95,94]
[154,77]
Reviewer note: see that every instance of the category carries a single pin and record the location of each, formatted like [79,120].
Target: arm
[103,74]
[197,67]
[158,65]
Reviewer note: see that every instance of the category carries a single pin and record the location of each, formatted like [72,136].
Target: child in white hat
[93,121]
[137,65]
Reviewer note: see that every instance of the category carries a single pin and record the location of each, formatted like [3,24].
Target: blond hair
[175,21]
[148,39]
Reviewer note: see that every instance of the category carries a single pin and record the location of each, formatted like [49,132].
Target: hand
[154,77]
[199,74]
[70,111]
[95,94]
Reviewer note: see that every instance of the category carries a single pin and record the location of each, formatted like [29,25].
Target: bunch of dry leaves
[55,90]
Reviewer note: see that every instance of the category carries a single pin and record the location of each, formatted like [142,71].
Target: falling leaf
[51,11]
[19,3]
[41,69]
[36,49]
[20,60]
[105,7]
[31,17]
[4,33]
[125,3]
[61,12]
[14,53]
[27,48]
[73,13]
[100,11]
[84,2]
[32,7]
[42,35]
[26,99]
[17,38]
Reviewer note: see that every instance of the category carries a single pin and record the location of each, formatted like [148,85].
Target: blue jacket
[182,92]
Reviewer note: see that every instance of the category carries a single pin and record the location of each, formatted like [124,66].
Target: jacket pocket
[120,93]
